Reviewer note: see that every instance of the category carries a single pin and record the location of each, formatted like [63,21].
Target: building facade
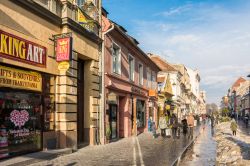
[43,106]
[130,85]
[195,90]
[185,89]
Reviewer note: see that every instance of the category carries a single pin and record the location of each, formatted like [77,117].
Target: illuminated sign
[21,50]
[15,78]
[63,49]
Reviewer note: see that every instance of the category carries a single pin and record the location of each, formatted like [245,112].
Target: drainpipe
[102,102]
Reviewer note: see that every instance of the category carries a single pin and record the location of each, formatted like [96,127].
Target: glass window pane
[20,122]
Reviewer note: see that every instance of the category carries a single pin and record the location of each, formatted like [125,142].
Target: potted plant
[108,133]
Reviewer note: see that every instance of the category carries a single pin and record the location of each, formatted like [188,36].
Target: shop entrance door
[80,103]
[113,120]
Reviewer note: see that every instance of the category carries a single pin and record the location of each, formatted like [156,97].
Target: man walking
[190,121]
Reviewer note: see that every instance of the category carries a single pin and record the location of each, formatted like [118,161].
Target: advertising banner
[15,78]
[64,49]
[21,50]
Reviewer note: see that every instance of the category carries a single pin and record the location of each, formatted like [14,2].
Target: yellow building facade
[42,107]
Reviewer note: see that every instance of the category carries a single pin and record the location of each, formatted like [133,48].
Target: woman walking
[233,127]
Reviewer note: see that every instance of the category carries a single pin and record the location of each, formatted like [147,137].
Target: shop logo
[19,118]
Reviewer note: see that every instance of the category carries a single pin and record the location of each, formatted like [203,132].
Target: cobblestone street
[141,150]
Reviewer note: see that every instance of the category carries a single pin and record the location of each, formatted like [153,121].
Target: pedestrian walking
[162,125]
[246,119]
[149,124]
[203,121]
[233,126]
[190,121]
[184,126]
[212,121]
[174,124]
[154,129]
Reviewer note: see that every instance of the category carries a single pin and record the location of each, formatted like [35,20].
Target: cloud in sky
[211,36]
[175,11]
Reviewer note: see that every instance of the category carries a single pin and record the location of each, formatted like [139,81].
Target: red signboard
[63,49]
[21,50]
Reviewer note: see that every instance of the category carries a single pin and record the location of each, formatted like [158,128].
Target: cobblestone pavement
[203,152]
[140,150]
[232,150]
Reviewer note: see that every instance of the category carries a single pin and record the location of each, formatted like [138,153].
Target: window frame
[149,77]
[133,76]
[140,80]
[118,65]
[153,82]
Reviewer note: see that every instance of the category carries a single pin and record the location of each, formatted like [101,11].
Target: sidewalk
[35,157]
[140,150]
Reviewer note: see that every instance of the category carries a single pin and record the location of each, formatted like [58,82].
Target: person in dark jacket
[174,124]
[154,129]
[184,126]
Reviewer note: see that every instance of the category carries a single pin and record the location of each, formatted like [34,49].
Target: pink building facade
[130,85]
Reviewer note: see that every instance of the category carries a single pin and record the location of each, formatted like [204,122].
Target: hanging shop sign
[21,50]
[63,66]
[15,78]
[112,98]
[64,49]
[152,93]
[86,23]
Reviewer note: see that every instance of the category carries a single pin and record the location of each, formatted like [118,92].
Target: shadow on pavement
[244,147]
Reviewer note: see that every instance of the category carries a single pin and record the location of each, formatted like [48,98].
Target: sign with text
[21,50]
[15,78]
[63,66]
[152,93]
[63,49]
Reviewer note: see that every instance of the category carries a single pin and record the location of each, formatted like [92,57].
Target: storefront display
[140,113]
[20,122]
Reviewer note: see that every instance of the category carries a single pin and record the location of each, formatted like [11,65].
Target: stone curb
[35,157]
[178,159]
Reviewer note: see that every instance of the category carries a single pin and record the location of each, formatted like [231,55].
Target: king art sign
[21,50]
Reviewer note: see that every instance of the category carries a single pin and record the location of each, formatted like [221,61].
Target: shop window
[116,59]
[140,68]
[20,122]
[140,113]
[23,116]
[131,63]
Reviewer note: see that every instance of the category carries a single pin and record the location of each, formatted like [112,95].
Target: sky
[212,36]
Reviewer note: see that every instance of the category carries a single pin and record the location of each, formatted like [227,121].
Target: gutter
[102,95]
